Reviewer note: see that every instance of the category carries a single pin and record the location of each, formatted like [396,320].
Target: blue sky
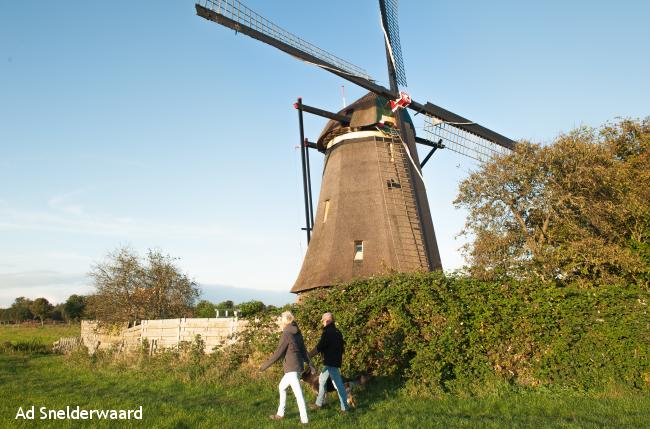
[141,124]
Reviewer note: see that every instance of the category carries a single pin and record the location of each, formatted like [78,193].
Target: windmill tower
[373,215]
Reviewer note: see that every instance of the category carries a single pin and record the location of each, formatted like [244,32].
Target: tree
[575,210]
[172,293]
[40,308]
[204,309]
[57,313]
[74,307]
[132,288]
[251,308]
[117,282]
[225,305]
[90,311]
[20,310]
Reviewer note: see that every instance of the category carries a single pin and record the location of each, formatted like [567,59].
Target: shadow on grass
[376,390]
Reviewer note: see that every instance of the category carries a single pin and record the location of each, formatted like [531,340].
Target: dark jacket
[331,345]
[292,349]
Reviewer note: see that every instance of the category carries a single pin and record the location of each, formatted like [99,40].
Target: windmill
[373,215]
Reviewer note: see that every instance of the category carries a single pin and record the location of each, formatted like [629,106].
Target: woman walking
[292,349]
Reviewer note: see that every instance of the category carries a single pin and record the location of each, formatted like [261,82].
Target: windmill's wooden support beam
[311,145]
[435,147]
[429,143]
[305,148]
[305,181]
[426,158]
[324,113]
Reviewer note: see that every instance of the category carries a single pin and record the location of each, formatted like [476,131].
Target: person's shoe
[315,407]
[276,417]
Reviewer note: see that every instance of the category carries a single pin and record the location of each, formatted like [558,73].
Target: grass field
[55,381]
[46,334]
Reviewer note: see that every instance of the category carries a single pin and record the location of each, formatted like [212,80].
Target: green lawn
[46,334]
[55,381]
[51,382]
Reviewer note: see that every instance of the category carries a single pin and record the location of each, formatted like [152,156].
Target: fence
[66,344]
[163,333]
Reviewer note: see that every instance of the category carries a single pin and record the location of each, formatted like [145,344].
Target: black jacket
[331,345]
[292,349]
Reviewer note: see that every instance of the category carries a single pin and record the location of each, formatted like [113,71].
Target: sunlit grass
[52,382]
[171,400]
[45,334]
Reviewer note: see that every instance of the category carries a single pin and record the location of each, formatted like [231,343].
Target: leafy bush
[28,346]
[460,335]
[251,308]
[204,309]
[445,334]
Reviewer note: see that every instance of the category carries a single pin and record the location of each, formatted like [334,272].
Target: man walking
[331,347]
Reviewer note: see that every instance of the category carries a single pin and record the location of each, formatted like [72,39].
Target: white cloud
[66,216]
[53,285]
[60,203]
[28,279]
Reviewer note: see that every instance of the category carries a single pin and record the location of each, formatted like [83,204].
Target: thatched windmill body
[373,214]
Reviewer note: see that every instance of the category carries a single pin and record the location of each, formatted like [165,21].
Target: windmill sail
[461,141]
[234,15]
[390,24]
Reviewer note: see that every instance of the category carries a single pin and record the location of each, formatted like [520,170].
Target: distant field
[45,334]
[55,381]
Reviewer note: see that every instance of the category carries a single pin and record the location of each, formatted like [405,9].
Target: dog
[312,381]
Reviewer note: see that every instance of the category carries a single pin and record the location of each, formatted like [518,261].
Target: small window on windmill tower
[358,250]
[327,210]
[392,184]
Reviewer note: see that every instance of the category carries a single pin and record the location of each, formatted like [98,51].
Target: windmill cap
[364,113]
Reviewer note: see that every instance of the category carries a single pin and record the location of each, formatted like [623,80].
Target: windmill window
[327,210]
[358,250]
[392,184]
[392,154]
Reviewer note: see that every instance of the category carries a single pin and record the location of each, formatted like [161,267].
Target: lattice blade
[461,141]
[233,14]
[390,22]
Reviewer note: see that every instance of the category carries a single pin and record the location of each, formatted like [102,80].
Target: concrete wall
[160,334]
[96,337]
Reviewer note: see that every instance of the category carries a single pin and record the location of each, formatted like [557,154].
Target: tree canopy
[577,210]
[204,309]
[73,309]
[251,308]
[19,311]
[40,308]
[129,288]
[225,305]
